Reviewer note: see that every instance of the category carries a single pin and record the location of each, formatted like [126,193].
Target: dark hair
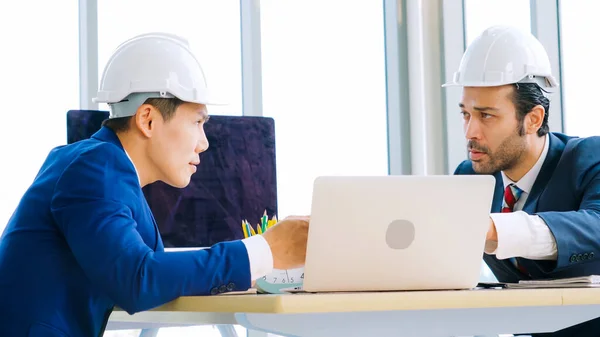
[166,107]
[525,97]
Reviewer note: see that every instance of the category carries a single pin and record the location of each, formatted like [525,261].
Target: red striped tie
[511,195]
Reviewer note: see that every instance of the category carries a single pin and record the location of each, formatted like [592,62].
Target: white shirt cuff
[260,256]
[523,235]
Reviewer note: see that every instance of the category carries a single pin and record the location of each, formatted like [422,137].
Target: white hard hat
[151,65]
[504,55]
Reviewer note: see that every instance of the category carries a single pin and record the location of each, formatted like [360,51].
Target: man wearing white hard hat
[545,216]
[83,240]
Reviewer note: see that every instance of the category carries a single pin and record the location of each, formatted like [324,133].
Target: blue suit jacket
[566,195]
[83,240]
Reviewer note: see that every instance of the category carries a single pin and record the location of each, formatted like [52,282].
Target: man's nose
[202,144]
[472,129]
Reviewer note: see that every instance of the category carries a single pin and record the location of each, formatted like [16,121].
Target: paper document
[592,279]
[571,282]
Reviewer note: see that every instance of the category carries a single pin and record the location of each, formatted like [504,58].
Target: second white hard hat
[504,55]
[152,65]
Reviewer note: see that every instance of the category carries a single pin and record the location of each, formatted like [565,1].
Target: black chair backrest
[235,181]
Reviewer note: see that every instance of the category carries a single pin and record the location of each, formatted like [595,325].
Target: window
[211,27]
[481,14]
[40,83]
[579,66]
[324,84]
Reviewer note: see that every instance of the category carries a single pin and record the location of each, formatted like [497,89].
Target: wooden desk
[421,313]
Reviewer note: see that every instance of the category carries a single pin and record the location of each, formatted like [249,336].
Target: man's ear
[144,119]
[534,119]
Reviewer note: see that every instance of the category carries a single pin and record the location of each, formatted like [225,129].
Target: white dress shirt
[521,234]
[259,252]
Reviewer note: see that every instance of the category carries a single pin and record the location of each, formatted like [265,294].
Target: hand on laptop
[287,240]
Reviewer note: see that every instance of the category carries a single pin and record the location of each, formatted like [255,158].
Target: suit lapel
[107,135]
[555,150]
[158,245]
[498,194]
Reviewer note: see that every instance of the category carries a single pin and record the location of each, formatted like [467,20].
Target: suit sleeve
[465,167]
[577,232]
[101,232]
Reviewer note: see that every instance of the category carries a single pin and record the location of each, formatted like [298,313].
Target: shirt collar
[135,168]
[526,183]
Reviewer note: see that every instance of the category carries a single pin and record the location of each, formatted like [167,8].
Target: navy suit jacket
[566,195]
[83,240]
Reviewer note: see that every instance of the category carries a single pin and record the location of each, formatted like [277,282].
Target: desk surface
[384,301]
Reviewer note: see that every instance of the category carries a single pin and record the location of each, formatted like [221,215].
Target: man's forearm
[519,234]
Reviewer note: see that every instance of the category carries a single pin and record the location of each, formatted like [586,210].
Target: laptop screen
[235,181]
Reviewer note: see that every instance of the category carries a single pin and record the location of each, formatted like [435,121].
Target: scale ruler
[280,279]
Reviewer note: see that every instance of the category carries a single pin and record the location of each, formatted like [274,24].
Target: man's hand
[287,240]
[491,239]
[492,235]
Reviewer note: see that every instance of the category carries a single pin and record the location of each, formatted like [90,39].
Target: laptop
[392,233]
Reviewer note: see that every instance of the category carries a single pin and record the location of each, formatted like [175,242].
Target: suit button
[214,291]
[222,289]
[231,286]
[586,256]
[573,258]
[591,255]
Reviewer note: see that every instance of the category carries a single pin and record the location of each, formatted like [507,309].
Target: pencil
[251,229]
[272,222]
[248,228]
[264,221]
[244,229]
